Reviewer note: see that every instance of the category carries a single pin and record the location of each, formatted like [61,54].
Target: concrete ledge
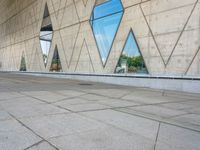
[175,83]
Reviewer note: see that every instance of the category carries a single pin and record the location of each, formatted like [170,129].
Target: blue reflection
[131,49]
[107,8]
[105,20]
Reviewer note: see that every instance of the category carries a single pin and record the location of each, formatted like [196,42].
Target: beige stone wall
[167,32]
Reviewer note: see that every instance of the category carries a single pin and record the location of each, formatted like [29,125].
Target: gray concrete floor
[38,113]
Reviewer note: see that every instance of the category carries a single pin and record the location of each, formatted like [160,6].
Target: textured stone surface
[15,136]
[59,125]
[109,138]
[175,138]
[47,113]
[141,126]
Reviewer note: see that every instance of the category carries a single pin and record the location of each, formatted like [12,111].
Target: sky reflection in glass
[105,20]
[131,49]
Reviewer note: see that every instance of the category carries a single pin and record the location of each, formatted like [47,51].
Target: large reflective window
[105,21]
[56,63]
[46,34]
[23,63]
[131,60]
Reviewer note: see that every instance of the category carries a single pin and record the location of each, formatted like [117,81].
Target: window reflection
[56,64]
[131,60]
[105,20]
[46,34]
[23,63]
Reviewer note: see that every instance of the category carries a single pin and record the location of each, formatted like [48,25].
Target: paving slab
[70,93]
[4,115]
[108,138]
[159,111]
[134,124]
[145,99]
[117,103]
[67,114]
[14,136]
[85,107]
[195,110]
[9,95]
[192,119]
[176,138]
[112,93]
[93,97]
[72,101]
[34,110]
[187,105]
[46,96]
[61,124]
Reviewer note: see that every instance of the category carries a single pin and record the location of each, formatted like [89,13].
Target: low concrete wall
[176,83]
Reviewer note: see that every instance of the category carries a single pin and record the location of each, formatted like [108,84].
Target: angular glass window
[46,34]
[105,20]
[56,64]
[23,63]
[131,60]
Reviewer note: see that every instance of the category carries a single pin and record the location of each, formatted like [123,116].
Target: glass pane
[107,8]
[131,60]
[56,64]
[23,63]
[46,34]
[46,12]
[104,31]
[105,21]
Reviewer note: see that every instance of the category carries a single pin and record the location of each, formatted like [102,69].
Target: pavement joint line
[121,98]
[20,122]
[34,145]
[159,103]
[193,98]
[100,109]
[48,102]
[75,132]
[44,115]
[64,108]
[114,126]
[157,136]
[173,123]
[186,113]
[69,98]
[103,95]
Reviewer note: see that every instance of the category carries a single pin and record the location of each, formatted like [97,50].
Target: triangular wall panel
[84,61]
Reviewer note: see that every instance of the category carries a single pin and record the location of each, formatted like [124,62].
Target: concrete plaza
[40,113]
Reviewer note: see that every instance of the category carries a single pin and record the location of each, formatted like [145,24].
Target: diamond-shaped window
[131,59]
[46,34]
[105,20]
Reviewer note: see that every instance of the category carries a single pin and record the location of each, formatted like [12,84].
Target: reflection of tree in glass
[23,64]
[134,64]
[56,64]
[45,58]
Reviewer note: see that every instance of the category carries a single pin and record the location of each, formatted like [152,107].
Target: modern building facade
[155,37]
